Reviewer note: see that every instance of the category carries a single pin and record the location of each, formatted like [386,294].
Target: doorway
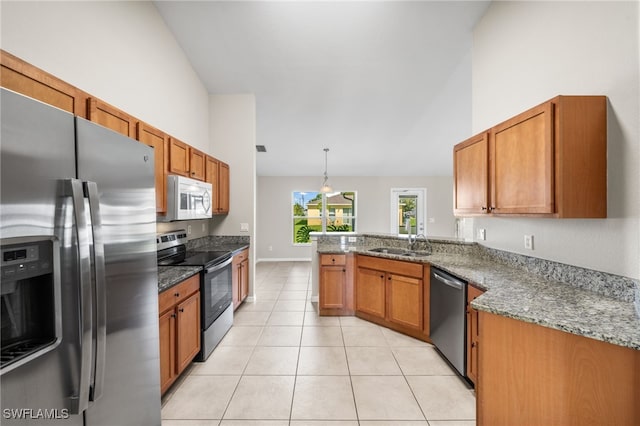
[408,211]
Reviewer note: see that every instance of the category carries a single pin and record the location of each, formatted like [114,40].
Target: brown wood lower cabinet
[534,375]
[179,308]
[336,284]
[240,277]
[472,334]
[394,294]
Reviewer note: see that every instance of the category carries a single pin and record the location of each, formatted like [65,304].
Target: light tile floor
[281,364]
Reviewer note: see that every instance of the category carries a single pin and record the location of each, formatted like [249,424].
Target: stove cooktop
[205,258]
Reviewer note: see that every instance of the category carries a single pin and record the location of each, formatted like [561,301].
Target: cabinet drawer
[399,267]
[176,294]
[333,259]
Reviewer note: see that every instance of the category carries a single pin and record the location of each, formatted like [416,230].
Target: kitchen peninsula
[532,324]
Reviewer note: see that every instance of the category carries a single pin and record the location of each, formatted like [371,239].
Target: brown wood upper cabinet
[24,78]
[217,174]
[158,140]
[111,117]
[185,160]
[196,164]
[178,157]
[548,161]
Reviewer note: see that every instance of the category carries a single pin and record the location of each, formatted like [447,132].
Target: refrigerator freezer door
[123,170]
[37,159]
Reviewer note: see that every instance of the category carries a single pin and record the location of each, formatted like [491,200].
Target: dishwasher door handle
[451,283]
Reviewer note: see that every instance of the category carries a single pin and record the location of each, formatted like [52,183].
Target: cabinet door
[333,287]
[370,292]
[244,279]
[111,117]
[167,349]
[24,78]
[178,157]
[188,331]
[223,184]
[158,141]
[404,301]
[472,335]
[197,164]
[471,175]
[522,163]
[211,176]
[235,282]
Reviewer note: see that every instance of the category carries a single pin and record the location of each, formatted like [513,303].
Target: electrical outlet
[528,242]
[270,248]
[481,234]
[244,227]
[188,229]
[353,239]
[204,228]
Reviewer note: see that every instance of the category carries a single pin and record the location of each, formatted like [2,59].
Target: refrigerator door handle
[91,190]
[80,399]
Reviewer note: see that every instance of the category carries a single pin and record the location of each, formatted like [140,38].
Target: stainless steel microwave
[187,199]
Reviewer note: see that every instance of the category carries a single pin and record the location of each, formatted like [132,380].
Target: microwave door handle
[80,397]
[91,189]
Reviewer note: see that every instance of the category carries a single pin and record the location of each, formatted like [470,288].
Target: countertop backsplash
[218,240]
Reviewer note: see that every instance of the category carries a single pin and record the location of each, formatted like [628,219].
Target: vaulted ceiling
[386,86]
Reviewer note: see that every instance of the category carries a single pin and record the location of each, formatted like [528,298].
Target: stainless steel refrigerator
[79,295]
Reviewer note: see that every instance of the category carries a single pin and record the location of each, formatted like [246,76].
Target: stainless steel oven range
[216,311]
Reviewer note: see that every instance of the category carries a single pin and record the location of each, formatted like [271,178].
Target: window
[313,211]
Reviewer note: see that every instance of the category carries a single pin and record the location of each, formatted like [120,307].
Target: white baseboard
[315,299]
[250,299]
[283,259]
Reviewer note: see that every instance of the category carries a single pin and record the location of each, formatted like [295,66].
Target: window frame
[324,214]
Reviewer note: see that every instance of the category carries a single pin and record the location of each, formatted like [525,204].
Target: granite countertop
[233,248]
[515,293]
[168,276]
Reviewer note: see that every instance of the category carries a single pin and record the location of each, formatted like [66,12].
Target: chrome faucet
[413,241]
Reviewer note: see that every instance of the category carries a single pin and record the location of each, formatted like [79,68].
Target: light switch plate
[353,239]
[481,234]
[244,227]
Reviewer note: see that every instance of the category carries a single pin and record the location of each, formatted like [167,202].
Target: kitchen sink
[400,251]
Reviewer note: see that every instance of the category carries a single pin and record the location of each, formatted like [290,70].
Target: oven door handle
[220,266]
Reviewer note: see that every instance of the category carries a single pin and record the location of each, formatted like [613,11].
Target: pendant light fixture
[325,184]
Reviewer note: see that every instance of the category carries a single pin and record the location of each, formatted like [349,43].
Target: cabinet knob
[381,276]
[177,294]
[181,310]
[485,209]
[173,315]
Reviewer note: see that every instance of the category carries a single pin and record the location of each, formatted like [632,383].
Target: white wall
[372,208]
[525,53]
[120,52]
[232,126]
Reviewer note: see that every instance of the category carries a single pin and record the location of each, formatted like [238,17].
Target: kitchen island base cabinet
[336,286]
[179,323]
[534,375]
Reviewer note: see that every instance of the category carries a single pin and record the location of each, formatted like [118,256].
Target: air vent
[261,148]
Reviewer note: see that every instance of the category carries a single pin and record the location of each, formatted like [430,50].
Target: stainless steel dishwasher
[447,317]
